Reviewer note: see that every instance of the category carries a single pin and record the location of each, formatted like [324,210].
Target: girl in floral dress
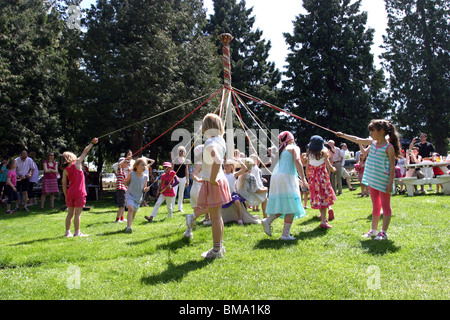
[322,195]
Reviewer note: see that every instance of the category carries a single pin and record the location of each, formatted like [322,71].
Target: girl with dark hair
[379,172]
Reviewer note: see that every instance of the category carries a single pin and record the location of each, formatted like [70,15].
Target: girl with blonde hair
[75,193]
[214,191]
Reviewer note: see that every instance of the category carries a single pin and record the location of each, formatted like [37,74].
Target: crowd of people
[218,183]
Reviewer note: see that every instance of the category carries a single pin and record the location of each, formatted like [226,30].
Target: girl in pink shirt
[10,187]
[76,192]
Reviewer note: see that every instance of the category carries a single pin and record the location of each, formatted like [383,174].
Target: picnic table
[428,173]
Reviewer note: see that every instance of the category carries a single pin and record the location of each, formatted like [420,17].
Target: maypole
[226,38]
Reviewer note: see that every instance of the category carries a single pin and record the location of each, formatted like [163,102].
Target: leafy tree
[142,58]
[331,78]
[417,58]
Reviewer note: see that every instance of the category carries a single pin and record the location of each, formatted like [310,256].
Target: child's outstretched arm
[85,152]
[354,139]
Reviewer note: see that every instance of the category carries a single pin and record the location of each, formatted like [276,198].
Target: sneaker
[149,218]
[188,234]
[288,237]
[381,236]
[80,234]
[207,222]
[330,214]
[128,230]
[68,235]
[211,254]
[266,227]
[370,234]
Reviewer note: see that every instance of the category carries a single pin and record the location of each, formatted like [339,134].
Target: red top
[166,180]
[76,186]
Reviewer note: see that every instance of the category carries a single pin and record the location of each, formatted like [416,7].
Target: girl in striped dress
[379,172]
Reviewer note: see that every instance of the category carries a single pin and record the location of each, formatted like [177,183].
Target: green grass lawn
[156,262]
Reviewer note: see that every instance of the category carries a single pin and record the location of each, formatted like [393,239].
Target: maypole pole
[226,38]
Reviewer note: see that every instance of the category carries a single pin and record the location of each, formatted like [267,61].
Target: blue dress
[284,191]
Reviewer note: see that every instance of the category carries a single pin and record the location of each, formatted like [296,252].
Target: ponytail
[390,129]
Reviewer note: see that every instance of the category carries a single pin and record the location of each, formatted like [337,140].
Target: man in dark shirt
[425,147]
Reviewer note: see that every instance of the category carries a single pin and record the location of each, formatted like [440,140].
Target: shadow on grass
[379,247]
[36,241]
[175,272]
[276,243]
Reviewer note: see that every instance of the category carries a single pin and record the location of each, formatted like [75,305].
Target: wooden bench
[411,182]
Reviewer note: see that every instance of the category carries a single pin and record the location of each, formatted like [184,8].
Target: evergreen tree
[331,78]
[144,57]
[32,76]
[251,71]
[417,58]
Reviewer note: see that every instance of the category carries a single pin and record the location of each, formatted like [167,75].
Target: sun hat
[315,143]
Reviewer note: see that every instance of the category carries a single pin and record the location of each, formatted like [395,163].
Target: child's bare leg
[130,216]
[264,206]
[77,220]
[237,203]
[216,226]
[69,217]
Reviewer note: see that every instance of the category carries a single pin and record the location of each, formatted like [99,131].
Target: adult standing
[181,167]
[335,177]
[50,179]
[24,171]
[344,174]
[33,180]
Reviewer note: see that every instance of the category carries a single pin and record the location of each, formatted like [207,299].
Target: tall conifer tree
[331,78]
[417,58]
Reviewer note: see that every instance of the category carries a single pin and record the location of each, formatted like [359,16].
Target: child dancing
[169,181]
[75,193]
[136,183]
[321,190]
[284,192]
[214,191]
[379,171]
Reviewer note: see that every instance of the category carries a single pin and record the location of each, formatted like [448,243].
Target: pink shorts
[76,202]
